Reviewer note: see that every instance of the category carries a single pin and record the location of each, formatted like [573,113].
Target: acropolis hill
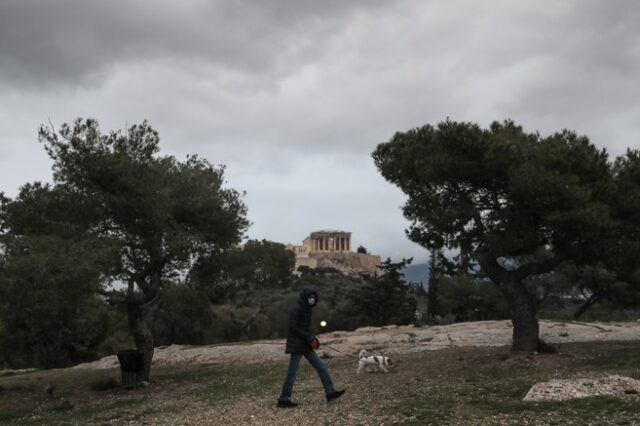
[330,248]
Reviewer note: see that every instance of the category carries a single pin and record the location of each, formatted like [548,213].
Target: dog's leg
[383,368]
[359,368]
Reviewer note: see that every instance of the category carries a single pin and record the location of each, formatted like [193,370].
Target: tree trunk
[522,307]
[141,318]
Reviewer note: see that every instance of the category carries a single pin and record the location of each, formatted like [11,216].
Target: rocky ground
[388,340]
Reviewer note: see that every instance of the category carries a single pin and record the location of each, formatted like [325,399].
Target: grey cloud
[294,95]
[76,42]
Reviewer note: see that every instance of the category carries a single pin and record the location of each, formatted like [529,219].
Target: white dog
[374,362]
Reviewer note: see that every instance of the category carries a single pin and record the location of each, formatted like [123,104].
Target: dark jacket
[300,324]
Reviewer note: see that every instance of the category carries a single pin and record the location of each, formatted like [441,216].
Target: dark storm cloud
[580,71]
[293,95]
[76,42]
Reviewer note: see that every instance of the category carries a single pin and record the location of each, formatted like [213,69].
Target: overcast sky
[294,95]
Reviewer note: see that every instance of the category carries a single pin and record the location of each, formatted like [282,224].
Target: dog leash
[344,353]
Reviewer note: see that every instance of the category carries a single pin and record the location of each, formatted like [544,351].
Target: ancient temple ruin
[332,248]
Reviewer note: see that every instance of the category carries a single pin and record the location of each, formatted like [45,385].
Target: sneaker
[331,396]
[285,403]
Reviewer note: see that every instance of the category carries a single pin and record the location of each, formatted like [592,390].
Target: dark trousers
[294,364]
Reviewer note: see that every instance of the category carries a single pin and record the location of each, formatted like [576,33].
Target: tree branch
[115,297]
[490,266]
[537,268]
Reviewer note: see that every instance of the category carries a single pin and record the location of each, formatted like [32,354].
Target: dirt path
[387,340]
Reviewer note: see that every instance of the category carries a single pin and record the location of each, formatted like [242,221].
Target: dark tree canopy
[387,299]
[626,213]
[50,271]
[159,208]
[500,189]
[156,214]
[257,265]
[615,275]
[517,203]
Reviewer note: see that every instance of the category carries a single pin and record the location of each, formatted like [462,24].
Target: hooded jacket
[299,332]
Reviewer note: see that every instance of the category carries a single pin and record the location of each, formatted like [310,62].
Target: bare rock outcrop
[564,389]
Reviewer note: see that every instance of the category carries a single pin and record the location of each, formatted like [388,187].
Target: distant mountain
[417,273]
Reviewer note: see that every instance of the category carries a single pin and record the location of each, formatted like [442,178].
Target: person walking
[301,343]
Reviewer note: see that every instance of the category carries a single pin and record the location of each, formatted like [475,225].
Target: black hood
[304,294]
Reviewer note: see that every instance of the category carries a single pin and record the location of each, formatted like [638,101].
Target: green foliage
[49,274]
[117,211]
[119,337]
[620,247]
[613,278]
[244,284]
[514,202]
[467,299]
[50,313]
[385,300]
[160,212]
[262,264]
[253,267]
[185,317]
[265,314]
[503,189]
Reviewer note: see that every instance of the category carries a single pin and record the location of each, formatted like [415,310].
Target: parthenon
[331,248]
[328,240]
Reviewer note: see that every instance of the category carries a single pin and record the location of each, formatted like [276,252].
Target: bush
[185,316]
[465,299]
[119,337]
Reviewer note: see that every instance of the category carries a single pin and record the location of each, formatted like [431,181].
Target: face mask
[311,301]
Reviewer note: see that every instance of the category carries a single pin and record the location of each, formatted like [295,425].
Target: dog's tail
[362,354]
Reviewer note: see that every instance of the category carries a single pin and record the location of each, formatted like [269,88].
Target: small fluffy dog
[374,362]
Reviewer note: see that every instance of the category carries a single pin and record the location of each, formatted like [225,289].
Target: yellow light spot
[323,323]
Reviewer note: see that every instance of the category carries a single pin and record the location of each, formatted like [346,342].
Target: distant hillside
[417,273]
